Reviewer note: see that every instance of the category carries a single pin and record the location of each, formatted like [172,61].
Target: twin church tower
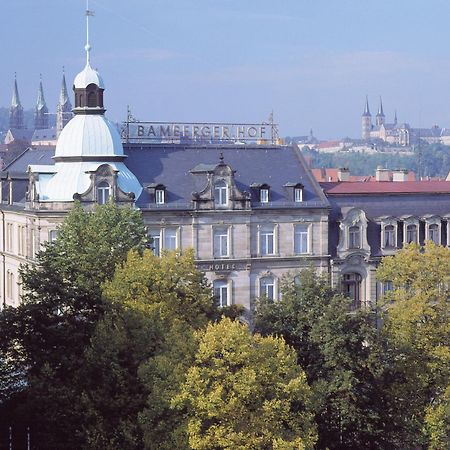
[41,112]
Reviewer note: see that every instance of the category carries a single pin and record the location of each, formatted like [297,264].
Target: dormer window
[103,193]
[264,195]
[298,194]
[354,237]
[221,193]
[411,233]
[160,196]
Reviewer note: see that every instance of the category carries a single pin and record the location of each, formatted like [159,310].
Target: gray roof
[183,170]
[44,134]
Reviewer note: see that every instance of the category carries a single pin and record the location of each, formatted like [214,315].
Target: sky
[310,61]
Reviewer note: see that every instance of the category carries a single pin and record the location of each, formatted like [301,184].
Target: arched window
[103,192]
[433,233]
[92,100]
[221,193]
[351,287]
[389,236]
[411,233]
[267,287]
[354,237]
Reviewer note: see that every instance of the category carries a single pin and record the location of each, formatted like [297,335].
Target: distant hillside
[427,161]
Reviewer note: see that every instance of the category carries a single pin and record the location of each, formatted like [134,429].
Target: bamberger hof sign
[203,132]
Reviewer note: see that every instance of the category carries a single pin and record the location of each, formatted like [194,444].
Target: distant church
[397,134]
[41,133]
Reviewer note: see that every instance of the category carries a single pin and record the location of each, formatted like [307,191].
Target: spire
[16,110]
[41,110]
[64,108]
[15,102]
[395,117]
[63,95]
[40,104]
[380,109]
[366,108]
[88,47]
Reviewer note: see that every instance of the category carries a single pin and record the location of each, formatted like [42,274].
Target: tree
[245,391]
[141,351]
[340,354]
[47,334]
[417,323]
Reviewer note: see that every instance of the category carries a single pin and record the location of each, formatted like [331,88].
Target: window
[155,242]
[351,287]
[300,239]
[354,237]
[267,288]
[220,242]
[21,240]
[221,293]
[298,194]
[9,237]
[160,195]
[52,235]
[411,233]
[267,240]
[103,193]
[92,100]
[387,287]
[264,195]
[297,281]
[170,239]
[433,233]
[221,193]
[389,236]
[10,285]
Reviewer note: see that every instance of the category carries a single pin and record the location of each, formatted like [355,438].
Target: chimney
[343,174]
[400,175]
[382,174]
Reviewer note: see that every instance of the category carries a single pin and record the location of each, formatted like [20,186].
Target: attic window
[298,194]
[264,195]
[103,193]
[160,195]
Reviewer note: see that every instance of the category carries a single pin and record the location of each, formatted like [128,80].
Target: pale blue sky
[312,61]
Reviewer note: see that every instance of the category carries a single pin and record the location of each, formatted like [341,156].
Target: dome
[88,76]
[89,135]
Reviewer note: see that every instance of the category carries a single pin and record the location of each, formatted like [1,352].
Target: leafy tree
[47,334]
[417,322]
[141,351]
[340,354]
[246,391]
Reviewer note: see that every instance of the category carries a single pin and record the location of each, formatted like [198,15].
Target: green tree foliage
[141,351]
[339,352]
[417,322]
[246,391]
[46,335]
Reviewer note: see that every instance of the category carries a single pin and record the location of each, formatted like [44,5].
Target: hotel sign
[140,132]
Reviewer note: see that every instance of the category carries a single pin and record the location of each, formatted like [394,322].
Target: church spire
[64,108]
[16,109]
[380,109]
[366,112]
[380,118]
[41,110]
[395,117]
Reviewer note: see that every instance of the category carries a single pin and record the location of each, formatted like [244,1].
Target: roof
[88,76]
[386,187]
[172,166]
[44,134]
[331,175]
[21,134]
[32,156]
[89,135]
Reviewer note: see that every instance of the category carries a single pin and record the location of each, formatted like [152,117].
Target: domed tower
[366,121]
[16,109]
[89,158]
[41,110]
[64,107]
[380,118]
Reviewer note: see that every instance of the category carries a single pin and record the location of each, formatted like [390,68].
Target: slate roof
[32,155]
[183,170]
[44,134]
